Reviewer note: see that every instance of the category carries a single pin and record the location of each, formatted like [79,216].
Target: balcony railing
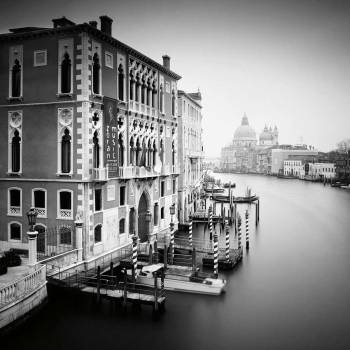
[100,174]
[129,172]
[153,112]
[15,210]
[41,212]
[66,214]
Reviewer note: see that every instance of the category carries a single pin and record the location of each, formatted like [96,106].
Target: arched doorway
[41,239]
[143,225]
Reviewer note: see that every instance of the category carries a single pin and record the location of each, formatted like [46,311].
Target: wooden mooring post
[155,305]
[247,229]
[216,255]
[134,256]
[239,222]
[98,287]
[194,264]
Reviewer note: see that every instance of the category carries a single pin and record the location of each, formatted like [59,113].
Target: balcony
[130,172]
[127,172]
[100,174]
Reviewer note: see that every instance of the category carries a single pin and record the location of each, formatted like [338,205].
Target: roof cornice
[183,93]
[85,27]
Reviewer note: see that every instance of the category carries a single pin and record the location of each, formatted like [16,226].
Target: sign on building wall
[110,193]
[111,136]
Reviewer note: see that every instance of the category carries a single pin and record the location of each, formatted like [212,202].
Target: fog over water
[290,292]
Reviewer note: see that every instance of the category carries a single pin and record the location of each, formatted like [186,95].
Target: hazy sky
[284,63]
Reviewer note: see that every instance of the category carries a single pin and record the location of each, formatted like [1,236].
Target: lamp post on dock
[32,236]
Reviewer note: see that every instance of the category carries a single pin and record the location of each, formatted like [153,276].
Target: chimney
[106,25]
[93,24]
[166,62]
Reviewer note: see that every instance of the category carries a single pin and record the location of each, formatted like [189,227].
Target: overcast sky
[283,62]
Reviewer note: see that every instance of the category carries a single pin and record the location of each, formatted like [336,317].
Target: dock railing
[20,288]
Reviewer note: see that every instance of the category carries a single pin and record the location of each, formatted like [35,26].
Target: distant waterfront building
[190,153]
[88,129]
[242,154]
[279,155]
[321,171]
[293,168]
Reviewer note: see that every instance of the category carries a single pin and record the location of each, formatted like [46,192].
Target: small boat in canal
[182,279]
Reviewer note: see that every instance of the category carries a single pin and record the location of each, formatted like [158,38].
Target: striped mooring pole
[172,244]
[247,229]
[134,255]
[239,222]
[227,241]
[190,241]
[211,223]
[216,255]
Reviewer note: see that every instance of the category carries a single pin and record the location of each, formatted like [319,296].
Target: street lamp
[32,235]
[32,214]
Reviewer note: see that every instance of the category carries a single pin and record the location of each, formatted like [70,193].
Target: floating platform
[236,256]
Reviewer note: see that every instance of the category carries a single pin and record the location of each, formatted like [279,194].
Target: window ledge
[64,94]
[64,218]
[16,215]
[97,243]
[64,174]
[98,211]
[18,99]
[10,173]
[100,97]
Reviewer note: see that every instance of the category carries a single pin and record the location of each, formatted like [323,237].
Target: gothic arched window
[131,85]
[16,79]
[96,74]
[154,95]
[161,147]
[121,226]
[132,152]
[149,92]
[149,153]
[154,153]
[173,153]
[137,88]
[121,150]
[66,72]
[66,152]
[96,150]
[173,103]
[16,152]
[121,83]
[161,98]
[98,233]
[143,92]
[138,152]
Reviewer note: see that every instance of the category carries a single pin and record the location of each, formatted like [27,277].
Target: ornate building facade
[91,130]
[190,153]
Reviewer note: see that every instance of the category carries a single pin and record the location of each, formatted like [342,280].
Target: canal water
[292,290]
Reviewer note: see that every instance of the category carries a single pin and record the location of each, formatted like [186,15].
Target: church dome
[244,132]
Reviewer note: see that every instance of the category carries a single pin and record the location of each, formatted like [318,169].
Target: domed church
[241,154]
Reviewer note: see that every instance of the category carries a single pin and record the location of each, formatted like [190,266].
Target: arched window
[131,85]
[161,98]
[138,88]
[66,72]
[143,91]
[173,153]
[149,154]
[65,234]
[16,152]
[96,150]
[15,231]
[173,103]
[132,219]
[121,226]
[132,152]
[161,148]
[65,204]
[121,150]
[96,74]
[121,83]
[138,152]
[154,95]
[98,233]
[66,152]
[149,92]
[39,201]
[14,202]
[154,153]
[16,79]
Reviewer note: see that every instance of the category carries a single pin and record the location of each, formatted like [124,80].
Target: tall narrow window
[122,226]
[39,202]
[66,72]
[14,202]
[16,152]
[121,83]
[122,195]
[131,86]
[149,92]
[161,98]
[154,95]
[65,204]
[96,74]
[66,152]
[98,233]
[15,231]
[149,154]
[137,88]
[121,150]
[143,91]
[96,150]
[154,153]
[173,153]
[138,152]
[173,103]
[161,147]
[65,234]
[132,152]
[98,199]
[16,79]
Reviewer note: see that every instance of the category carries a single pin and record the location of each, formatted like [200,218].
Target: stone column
[79,238]
[32,236]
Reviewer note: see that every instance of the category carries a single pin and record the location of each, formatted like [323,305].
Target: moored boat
[183,279]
